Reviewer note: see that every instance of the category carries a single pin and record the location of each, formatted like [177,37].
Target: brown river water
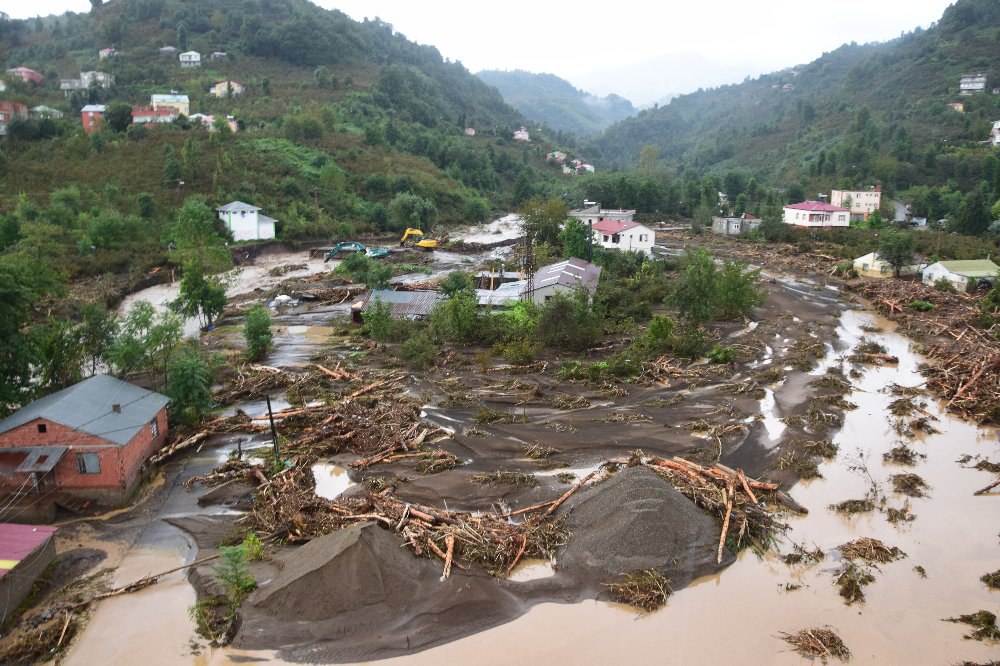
[734,617]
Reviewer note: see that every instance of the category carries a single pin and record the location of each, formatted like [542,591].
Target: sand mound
[357,594]
[634,521]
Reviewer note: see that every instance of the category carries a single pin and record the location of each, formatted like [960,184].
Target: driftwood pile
[965,360]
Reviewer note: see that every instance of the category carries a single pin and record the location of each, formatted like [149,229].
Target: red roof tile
[614,226]
[815,206]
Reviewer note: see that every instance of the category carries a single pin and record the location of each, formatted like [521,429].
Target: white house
[873,266]
[246,222]
[621,235]
[970,84]
[594,214]
[521,135]
[190,59]
[733,226]
[958,273]
[995,133]
[816,214]
[861,203]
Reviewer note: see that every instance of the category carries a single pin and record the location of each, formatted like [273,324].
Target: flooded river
[734,617]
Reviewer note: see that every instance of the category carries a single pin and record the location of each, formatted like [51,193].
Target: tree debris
[818,643]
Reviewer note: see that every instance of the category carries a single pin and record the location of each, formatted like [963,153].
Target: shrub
[569,322]
[257,333]
[945,286]
[691,342]
[378,320]
[720,354]
[457,319]
[660,333]
[233,573]
[519,351]
[921,306]
[419,351]
[189,387]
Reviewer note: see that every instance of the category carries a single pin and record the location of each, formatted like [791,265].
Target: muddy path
[794,383]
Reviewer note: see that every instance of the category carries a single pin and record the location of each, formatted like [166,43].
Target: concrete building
[190,59]
[89,440]
[565,277]
[180,103]
[861,203]
[970,84]
[816,214]
[624,235]
[734,226]
[9,111]
[873,266]
[224,89]
[594,214]
[246,222]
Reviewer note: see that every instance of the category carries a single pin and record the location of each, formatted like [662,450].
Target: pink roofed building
[144,115]
[26,74]
[816,214]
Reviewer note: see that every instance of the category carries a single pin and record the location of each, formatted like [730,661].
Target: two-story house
[861,203]
[816,214]
[971,84]
[245,222]
[226,89]
[92,117]
[179,103]
[27,75]
[190,59]
[9,111]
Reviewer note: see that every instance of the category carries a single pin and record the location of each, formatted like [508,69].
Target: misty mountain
[554,101]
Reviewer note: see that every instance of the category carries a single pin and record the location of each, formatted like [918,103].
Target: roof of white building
[236,207]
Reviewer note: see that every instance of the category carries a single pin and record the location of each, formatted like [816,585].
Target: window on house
[88,463]
[154,428]
[42,427]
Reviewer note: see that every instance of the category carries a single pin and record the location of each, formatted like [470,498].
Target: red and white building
[92,117]
[624,235]
[9,111]
[27,75]
[145,115]
[89,440]
[816,214]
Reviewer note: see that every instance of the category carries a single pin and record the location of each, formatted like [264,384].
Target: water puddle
[331,480]
[775,426]
[532,570]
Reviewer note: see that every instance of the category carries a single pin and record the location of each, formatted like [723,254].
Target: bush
[720,354]
[378,320]
[947,287]
[691,342]
[660,333]
[569,322]
[519,351]
[419,351]
[233,573]
[257,333]
[457,319]
[921,306]
[189,387]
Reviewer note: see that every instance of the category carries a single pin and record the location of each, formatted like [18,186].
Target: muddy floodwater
[736,616]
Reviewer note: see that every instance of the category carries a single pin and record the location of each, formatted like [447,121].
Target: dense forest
[549,99]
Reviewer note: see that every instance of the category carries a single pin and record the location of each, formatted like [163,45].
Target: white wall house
[873,266]
[246,222]
[627,236]
[861,203]
[959,272]
[521,135]
[594,214]
[190,59]
[995,133]
[734,226]
[816,214]
[971,84]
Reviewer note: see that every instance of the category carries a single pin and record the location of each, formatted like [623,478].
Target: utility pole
[274,431]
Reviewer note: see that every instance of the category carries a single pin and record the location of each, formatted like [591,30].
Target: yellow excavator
[417,236]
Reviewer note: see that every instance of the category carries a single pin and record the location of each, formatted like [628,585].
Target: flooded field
[949,536]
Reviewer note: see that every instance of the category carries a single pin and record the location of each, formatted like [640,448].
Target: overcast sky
[575,40]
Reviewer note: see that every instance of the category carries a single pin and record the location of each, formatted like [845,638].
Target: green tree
[455,282]
[361,268]
[896,247]
[257,333]
[97,334]
[569,322]
[196,235]
[378,319]
[145,205]
[456,319]
[694,296]
[543,218]
[702,219]
[145,342]
[201,297]
[574,238]
[190,387]
[738,291]
[118,116]
[408,210]
[182,36]
[321,76]
[60,355]
[265,86]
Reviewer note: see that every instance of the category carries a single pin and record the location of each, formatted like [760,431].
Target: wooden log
[568,494]
[786,499]
[983,491]
[450,543]
[163,454]
[746,486]
[730,492]
[879,358]
[520,552]
[971,382]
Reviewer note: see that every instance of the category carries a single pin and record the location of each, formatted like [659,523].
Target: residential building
[521,135]
[861,203]
[959,273]
[209,122]
[87,79]
[872,265]
[565,277]
[971,84]
[624,235]
[179,103]
[69,86]
[92,116]
[145,115]
[3,85]
[415,304]
[42,111]
[556,156]
[90,440]
[218,55]
[995,133]
[594,214]
[26,75]
[9,111]
[245,222]
[190,59]
[817,214]
[168,51]
[470,131]
[226,89]
[956,106]
[104,54]
[585,168]
[734,226]
[25,552]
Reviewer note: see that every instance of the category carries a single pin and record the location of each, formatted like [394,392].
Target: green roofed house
[959,273]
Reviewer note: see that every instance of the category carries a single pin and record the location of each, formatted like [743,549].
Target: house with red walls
[89,441]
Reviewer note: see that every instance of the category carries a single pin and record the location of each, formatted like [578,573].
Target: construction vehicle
[427,244]
[354,246]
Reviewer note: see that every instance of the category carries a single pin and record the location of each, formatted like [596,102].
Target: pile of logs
[965,360]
